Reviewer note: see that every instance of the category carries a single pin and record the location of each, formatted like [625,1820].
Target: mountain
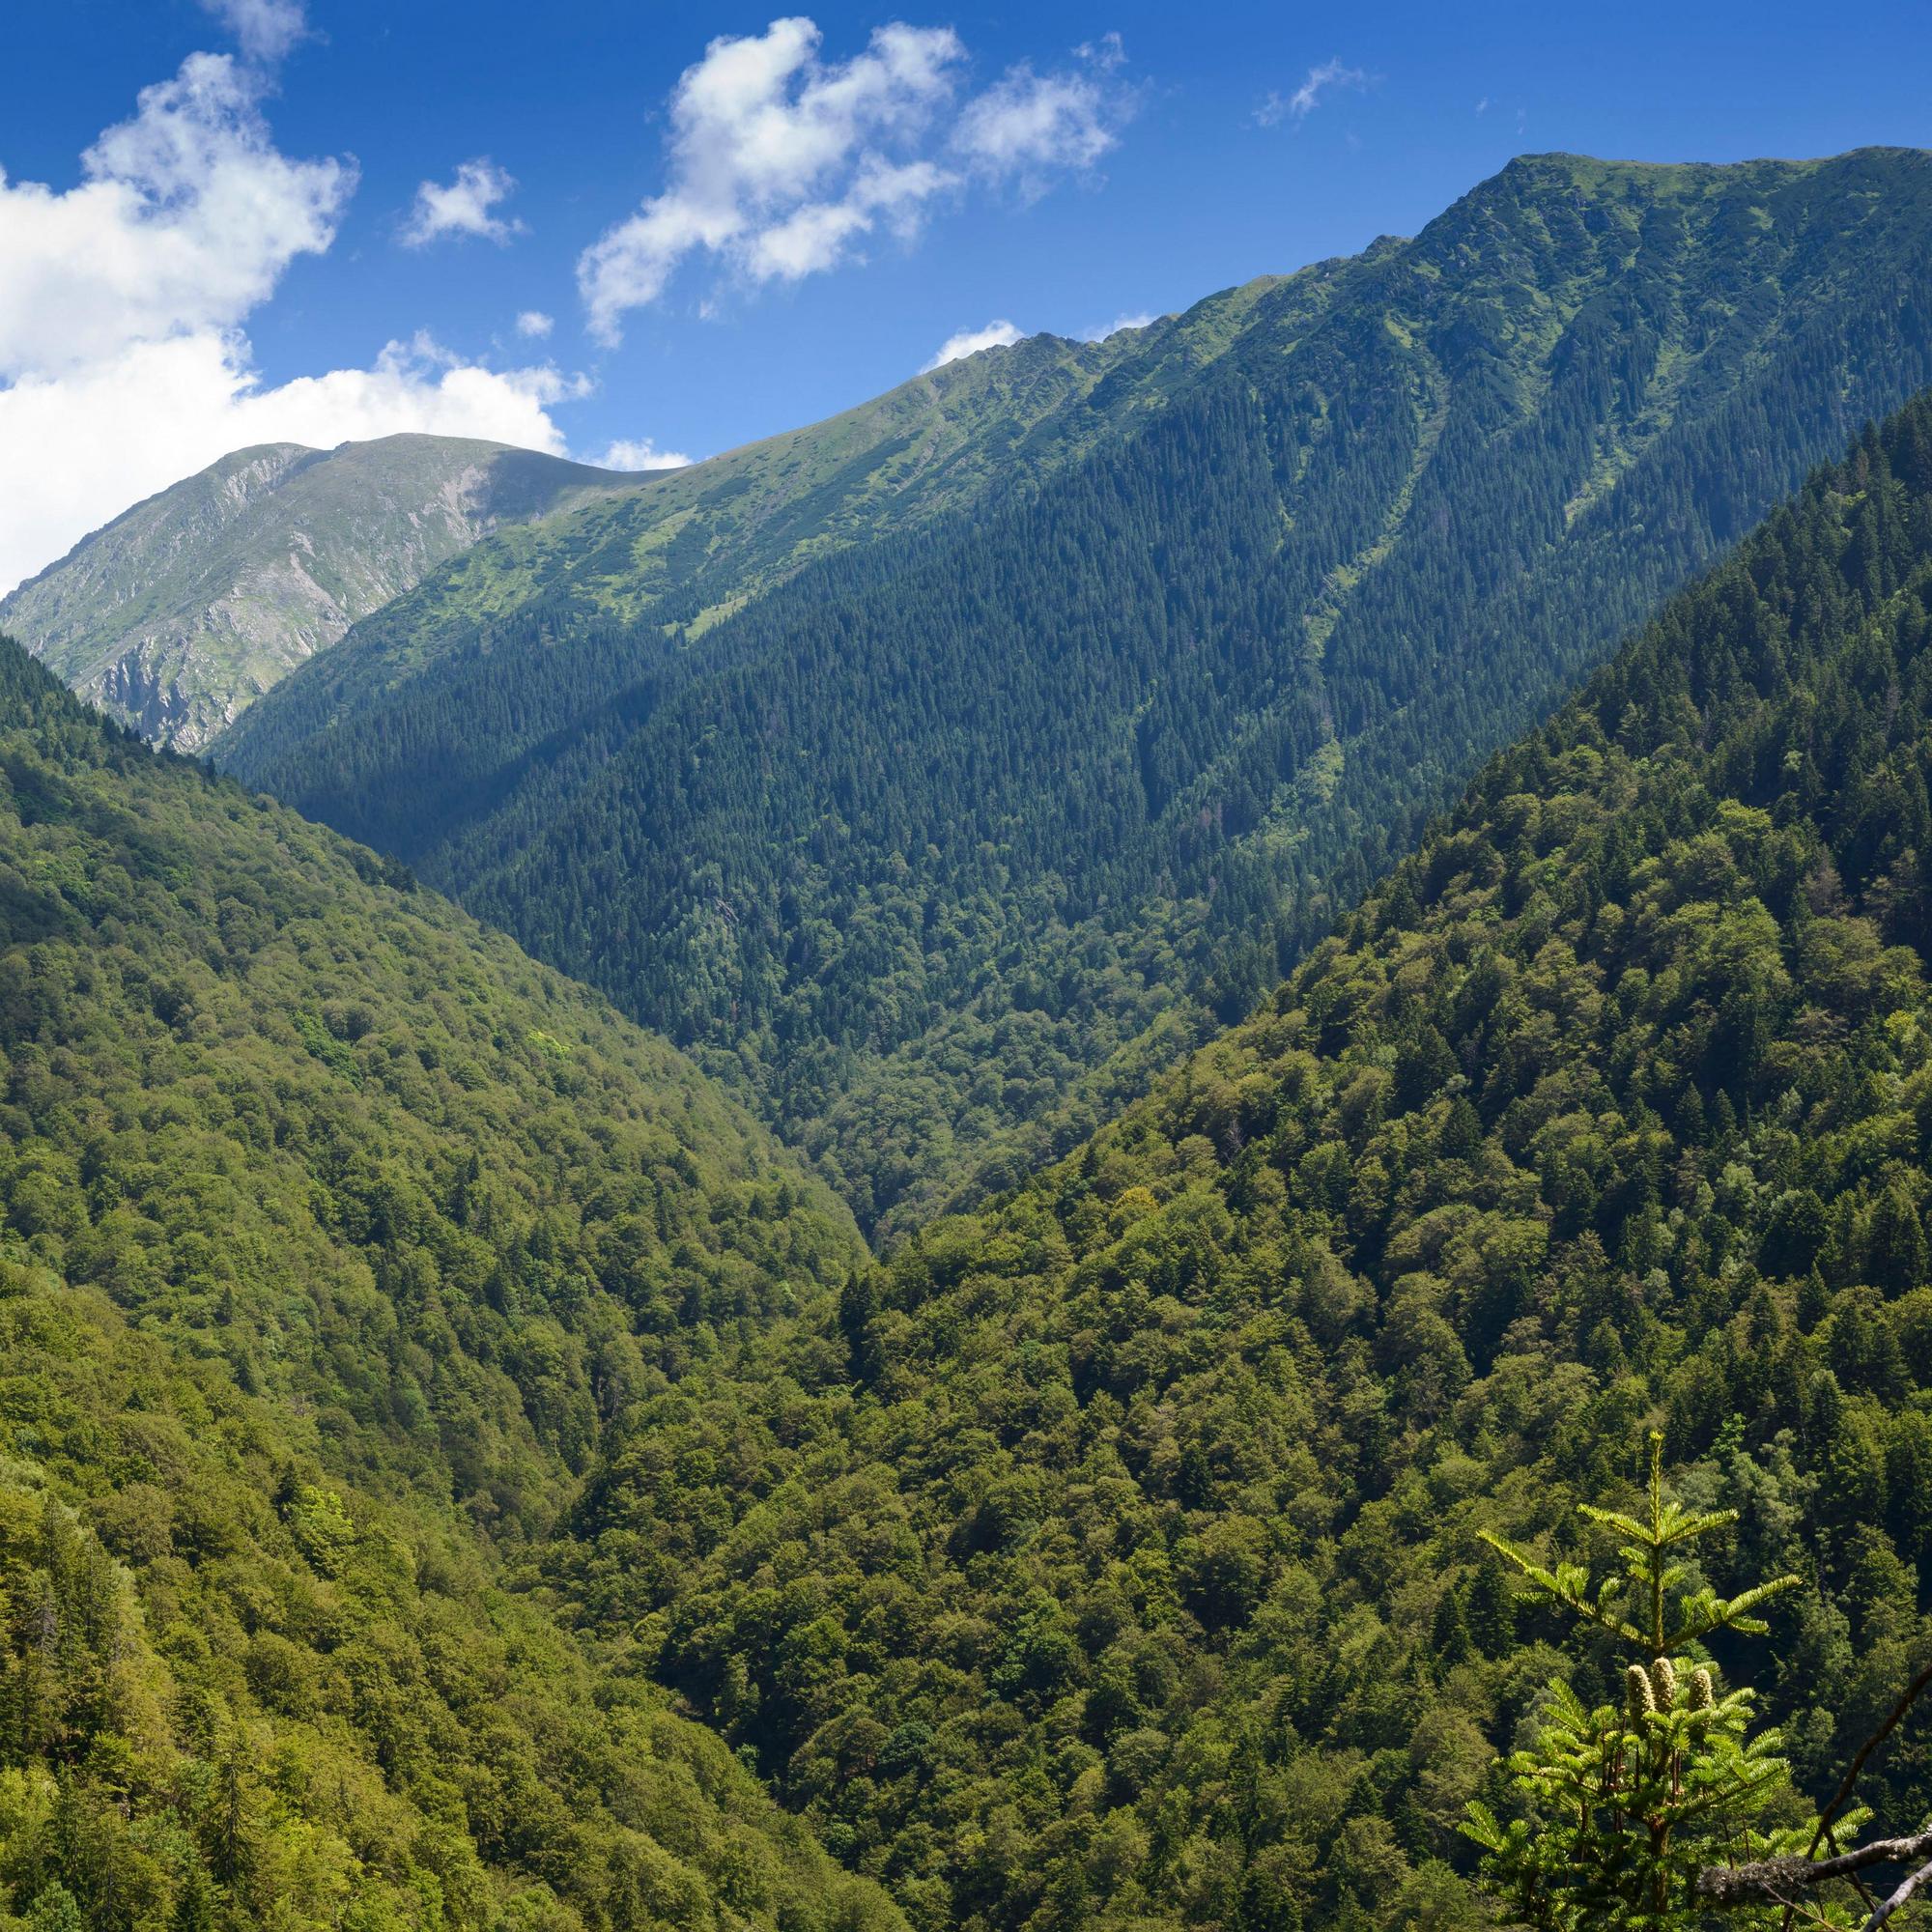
[1135,1581]
[940,842]
[183,609]
[331,1231]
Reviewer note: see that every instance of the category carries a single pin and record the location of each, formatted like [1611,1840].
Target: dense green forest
[423,1396]
[943,844]
[331,1232]
[1135,1579]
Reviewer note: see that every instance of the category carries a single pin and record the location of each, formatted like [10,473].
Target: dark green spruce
[942,844]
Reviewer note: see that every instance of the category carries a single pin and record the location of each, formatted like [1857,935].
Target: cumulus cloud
[184,219]
[970,342]
[639,454]
[1303,101]
[266,29]
[463,207]
[122,366]
[534,321]
[778,160]
[780,165]
[1028,127]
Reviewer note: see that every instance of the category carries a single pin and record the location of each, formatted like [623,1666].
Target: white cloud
[639,454]
[1483,105]
[1141,319]
[778,160]
[462,208]
[970,342]
[123,367]
[267,29]
[1106,53]
[1306,98]
[780,165]
[534,321]
[184,219]
[1028,126]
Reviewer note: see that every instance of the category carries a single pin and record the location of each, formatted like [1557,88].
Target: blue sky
[1056,166]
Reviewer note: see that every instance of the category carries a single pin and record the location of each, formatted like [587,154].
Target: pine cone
[1640,1699]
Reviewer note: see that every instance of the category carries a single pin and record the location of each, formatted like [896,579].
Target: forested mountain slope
[962,830]
[686,546]
[1135,1582]
[184,608]
[180,613]
[332,1230]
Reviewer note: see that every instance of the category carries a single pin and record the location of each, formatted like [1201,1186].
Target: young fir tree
[1626,1806]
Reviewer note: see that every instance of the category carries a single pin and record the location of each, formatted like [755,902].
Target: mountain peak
[179,612]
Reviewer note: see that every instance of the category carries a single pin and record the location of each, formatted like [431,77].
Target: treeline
[920,846]
[1137,1580]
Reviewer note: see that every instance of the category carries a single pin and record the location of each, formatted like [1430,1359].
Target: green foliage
[1650,1578]
[331,1231]
[1628,1805]
[1130,1571]
[1257,599]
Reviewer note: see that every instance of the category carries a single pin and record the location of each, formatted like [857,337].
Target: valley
[1262,585]
[958,1174]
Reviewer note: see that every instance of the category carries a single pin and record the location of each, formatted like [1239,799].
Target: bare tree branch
[1772,1881]
[1898,1898]
[1870,1745]
[1824,1835]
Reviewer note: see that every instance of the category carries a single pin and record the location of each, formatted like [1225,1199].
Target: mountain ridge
[177,613]
[1257,598]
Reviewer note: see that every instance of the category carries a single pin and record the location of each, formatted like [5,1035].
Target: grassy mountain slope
[946,841]
[690,546]
[186,607]
[1135,1581]
[332,1230]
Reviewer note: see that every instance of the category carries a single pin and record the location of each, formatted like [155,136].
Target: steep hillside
[333,1231]
[180,614]
[944,843]
[690,546]
[1136,1580]
[186,607]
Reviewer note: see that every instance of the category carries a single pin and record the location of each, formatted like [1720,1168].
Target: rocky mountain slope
[185,608]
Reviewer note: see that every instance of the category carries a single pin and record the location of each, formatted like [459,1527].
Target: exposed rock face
[180,614]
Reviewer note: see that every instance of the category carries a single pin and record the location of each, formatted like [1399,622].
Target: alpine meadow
[1140,1142]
